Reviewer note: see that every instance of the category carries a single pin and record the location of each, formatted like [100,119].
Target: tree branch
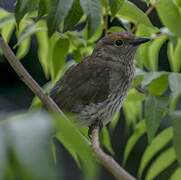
[107,161]
[27,79]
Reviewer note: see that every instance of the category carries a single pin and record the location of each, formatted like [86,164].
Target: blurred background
[15,96]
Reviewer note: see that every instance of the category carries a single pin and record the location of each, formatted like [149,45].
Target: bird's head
[119,45]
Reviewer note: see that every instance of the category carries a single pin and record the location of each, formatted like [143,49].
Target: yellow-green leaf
[156,145]
[169,14]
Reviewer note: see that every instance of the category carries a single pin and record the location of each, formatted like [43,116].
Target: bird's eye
[119,42]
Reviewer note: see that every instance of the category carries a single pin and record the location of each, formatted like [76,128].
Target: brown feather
[86,83]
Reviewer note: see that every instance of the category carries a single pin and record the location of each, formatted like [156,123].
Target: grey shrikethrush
[95,88]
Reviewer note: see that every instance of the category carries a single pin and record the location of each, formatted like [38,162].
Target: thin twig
[148,11]
[27,79]
[107,161]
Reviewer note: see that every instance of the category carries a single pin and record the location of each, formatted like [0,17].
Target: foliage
[25,140]
[71,27]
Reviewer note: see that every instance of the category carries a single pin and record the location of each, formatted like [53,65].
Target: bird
[94,89]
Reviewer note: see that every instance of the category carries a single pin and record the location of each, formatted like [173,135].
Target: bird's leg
[97,123]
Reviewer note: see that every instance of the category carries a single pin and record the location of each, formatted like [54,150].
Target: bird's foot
[97,123]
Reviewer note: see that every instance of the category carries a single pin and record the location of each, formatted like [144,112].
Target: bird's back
[93,89]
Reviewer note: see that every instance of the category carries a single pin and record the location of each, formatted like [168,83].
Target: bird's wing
[59,84]
[87,82]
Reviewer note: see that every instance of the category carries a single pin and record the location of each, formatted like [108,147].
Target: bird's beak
[140,40]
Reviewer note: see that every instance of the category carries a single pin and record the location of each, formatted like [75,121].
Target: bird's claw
[97,123]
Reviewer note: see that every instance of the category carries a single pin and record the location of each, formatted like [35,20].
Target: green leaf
[7,31]
[77,56]
[7,19]
[178,2]
[153,52]
[23,7]
[115,6]
[51,43]
[138,133]
[116,29]
[174,79]
[43,49]
[176,120]
[73,16]
[169,14]
[174,55]
[132,13]
[132,110]
[149,77]
[159,142]
[159,85]
[76,41]
[161,163]
[23,48]
[114,120]
[60,51]
[106,140]
[105,3]
[133,106]
[157,82]
[36,102]
[70,136]
[155,108]
[57,12]
[7,24]
[173,100]
[30,137]
[142,55]
[176,175]
[137,81]
[177,55]
[68,146]
[170,54]
[134,95]
[3,13]
[24,37]
[92,8]
[145,30]
[43,7]
[96,36]
[30,29]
